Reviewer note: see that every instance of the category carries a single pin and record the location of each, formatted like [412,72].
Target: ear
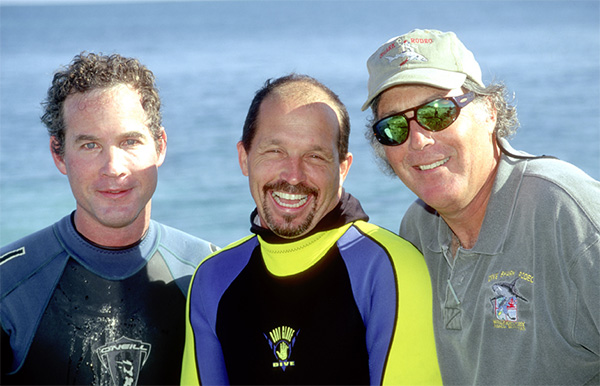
[491,114]
[242,158]
[58,159]
[345,167]
[162,142]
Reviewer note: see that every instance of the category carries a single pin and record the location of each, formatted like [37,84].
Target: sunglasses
[433,116]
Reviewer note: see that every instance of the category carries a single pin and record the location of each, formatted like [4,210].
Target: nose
[418,137]
[114,163]
[293,171]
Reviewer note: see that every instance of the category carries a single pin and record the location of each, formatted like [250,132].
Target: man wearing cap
[512,241]
[316,296]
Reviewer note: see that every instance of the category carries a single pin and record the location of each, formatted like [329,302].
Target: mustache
[284,186]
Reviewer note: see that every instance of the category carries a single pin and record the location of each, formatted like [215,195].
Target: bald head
[297,89]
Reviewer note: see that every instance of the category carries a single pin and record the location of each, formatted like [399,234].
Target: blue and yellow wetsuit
[350,303]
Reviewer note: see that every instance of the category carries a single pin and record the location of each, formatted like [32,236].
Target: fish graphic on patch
[504,304]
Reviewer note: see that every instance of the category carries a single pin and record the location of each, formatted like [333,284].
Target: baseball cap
[427,57]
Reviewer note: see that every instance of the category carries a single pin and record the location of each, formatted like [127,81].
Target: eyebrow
[89,137]
[85,138]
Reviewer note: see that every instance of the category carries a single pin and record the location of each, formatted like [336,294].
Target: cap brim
[428,76]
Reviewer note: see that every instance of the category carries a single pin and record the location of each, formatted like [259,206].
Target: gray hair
[507,122]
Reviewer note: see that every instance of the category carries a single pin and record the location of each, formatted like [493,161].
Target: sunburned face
[111,161]
[451,170]
[293,165]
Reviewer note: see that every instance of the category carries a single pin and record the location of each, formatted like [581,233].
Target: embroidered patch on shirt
[505,304]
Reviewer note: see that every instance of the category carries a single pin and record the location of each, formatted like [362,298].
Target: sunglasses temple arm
[464,100]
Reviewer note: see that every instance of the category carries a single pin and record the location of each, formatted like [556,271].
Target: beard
[287,229]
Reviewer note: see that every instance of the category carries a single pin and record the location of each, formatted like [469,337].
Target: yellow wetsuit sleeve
[412,358]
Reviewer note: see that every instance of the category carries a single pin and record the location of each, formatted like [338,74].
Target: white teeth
[286,196]
[434,165]
[289,196]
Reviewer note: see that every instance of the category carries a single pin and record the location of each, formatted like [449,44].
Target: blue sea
[209,58]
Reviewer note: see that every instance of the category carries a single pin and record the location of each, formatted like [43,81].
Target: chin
[119,220]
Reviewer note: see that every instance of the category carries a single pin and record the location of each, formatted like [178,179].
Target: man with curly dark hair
[98,297]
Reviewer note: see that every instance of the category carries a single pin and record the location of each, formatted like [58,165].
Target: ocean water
[209,58]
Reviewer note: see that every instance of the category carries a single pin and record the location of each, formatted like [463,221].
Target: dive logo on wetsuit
[505,303]
[124,359]
[281,340]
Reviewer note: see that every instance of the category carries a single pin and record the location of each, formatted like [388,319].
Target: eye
[273,152]
[131,142]
[90,145]
[318,157]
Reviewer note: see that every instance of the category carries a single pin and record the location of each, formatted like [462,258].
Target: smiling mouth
[288,200]
[433,165]
[114,193]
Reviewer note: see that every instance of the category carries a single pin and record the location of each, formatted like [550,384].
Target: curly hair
[272,85]
[507,122]
[91,71]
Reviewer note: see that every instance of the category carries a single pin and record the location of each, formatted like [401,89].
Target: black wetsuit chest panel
[104,332]
[301,329]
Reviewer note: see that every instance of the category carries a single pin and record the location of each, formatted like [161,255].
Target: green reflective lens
[437,115]
[396,129]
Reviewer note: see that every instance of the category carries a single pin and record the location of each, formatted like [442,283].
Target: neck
[466,223]
[464,234]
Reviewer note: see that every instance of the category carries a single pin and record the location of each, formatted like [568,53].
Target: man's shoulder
[560,183]
[218,269]
[563,187]
[381,235]
[184,245]
[556,170]
[236,251]
[30,251]
[33,239]
[38,252]
[384,239]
